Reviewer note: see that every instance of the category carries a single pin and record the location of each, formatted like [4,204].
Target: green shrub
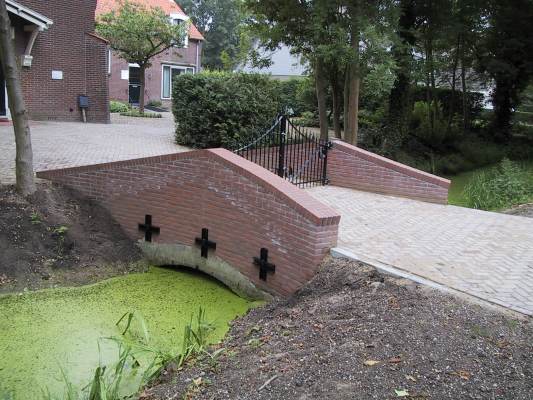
[438,137]
[421,125]
[118,107]
[308,118]
[297,95]
[214,109]
[500,187]
[479,152]
[443,96]
[136,113]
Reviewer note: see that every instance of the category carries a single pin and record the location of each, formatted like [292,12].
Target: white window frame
[8,110]
[171,66]
[109,60]
[185,19]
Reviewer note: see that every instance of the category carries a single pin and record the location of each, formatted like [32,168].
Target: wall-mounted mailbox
[84,101]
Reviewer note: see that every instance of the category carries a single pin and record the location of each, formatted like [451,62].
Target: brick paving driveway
[65,144]
[484,254]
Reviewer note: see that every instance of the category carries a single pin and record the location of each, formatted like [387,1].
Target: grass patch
[507,184]
[137,114]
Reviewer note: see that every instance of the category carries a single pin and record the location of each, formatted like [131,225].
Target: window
[169,72]
[178,19]
[109,59]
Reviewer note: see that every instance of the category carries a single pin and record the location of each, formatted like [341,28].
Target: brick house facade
[61,58]
[124,82]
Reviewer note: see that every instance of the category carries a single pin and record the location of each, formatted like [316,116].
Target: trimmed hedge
[222,109]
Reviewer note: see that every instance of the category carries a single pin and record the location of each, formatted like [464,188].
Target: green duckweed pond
[46,332]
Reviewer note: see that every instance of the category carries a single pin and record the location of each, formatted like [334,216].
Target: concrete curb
[338,252]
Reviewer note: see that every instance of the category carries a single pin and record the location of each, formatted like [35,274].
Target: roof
[283,63]
[168,6]
[28,14]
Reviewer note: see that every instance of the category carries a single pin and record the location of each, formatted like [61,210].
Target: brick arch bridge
[264,235]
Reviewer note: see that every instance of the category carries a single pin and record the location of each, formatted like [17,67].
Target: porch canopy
[29,15]
[38,23]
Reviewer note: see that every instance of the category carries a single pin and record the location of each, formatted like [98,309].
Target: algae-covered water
[45,332]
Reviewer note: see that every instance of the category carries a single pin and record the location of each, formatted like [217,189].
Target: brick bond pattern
[68,46]
[244,207]
[355,168]
[484,254]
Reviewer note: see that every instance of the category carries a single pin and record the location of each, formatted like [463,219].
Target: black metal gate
[290,152]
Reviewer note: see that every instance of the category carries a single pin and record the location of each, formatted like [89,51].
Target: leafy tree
[400,94]
[139,34]
[337,37]
[506,54]
[437,42]
[24,154]
[221,22]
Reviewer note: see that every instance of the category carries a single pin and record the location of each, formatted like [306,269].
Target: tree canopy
[221,22]
[138,34]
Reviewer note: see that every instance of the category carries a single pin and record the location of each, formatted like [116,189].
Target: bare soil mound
[524,210]
[57,237]
[352,333]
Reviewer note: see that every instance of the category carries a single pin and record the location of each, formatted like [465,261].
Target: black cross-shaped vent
[204,243]
[148,228]
[263,264]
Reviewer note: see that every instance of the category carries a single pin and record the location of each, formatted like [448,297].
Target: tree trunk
[24,154]
[466,123]
[429,92]
[321,87]
[336,90]
[433,105]
[351,92]
[142,71]
[501,100]
[452,94]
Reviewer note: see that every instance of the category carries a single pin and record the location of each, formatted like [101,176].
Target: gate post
[325,147]
[281,155]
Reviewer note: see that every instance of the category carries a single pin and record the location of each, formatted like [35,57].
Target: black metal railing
[291,152]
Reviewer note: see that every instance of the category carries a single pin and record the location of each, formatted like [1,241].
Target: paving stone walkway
[67,144]
[484,254]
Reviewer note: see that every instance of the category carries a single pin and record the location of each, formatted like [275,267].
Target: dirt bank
[58,238]
[354,334]
[524,210]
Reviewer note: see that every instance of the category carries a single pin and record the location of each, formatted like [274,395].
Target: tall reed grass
[503,186]
[139,361]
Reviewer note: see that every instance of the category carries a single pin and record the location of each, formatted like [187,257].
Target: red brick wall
[118,88]
[244,207]
[352,167]
[65,46]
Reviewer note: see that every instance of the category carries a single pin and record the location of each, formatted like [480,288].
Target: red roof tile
[168,6]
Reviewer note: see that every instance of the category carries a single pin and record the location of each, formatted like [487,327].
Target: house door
[134,85]
[3,98]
